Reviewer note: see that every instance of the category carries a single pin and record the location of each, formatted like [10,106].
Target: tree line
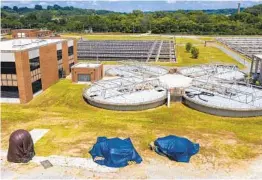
[70,19]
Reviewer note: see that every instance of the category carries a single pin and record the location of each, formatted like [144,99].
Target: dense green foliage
[195,52]
[60,19]
[188,46]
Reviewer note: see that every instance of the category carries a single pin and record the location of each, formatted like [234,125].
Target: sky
[128,6]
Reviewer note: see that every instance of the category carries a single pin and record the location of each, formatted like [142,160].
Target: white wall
[7,57]
[70,43]
[33,53]
[59,46]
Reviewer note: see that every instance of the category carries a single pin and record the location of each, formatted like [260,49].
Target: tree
[195,52]
[38,7]
[188,46]
[7,8]
[15,8]
[49,7]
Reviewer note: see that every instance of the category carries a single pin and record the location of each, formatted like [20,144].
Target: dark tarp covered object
[21,147]
[114,152]
[176,148]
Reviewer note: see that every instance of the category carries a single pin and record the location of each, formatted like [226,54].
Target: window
[9,92]
[60,73]
[8,80]
[84,77]
[70,66]
[37,86]
[8,68]
[59,54]
[34,63]
[70,50]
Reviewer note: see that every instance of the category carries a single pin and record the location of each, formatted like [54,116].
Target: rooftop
[259,56]
[24,30]
[23,44]
[86,65]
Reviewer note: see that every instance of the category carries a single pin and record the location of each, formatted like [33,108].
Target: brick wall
[31,33]
[95,73]
[75,51]
[23,76]
[48,65]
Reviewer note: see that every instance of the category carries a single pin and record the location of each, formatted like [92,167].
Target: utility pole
[238,8]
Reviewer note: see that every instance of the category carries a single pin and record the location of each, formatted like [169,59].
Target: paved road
[234,55]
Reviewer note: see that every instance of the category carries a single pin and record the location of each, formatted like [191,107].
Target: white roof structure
[259,56]
[86,65]
[175,81]
[24,44]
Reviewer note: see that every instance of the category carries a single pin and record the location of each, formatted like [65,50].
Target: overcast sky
[128,6]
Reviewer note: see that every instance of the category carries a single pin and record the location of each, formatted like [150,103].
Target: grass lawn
[241,55]
[74,126]
[184,40]
[206,55]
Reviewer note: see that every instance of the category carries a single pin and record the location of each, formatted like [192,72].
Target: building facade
[5,31]
[30,66]
[31,33]
[86,72]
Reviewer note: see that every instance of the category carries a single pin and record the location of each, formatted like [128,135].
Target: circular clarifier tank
[126,94]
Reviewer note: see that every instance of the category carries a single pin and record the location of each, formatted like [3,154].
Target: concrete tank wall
[221,111]
[128,107]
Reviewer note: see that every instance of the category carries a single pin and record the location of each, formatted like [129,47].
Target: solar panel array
[146,51]
[245,46]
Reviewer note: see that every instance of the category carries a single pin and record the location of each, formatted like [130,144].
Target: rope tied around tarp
[192,95]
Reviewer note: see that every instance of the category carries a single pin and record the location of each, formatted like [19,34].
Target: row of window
[35,77]
[9,92]
[34,63]
[35,74]
[8,82]
[70,50]
[59,54]
[70,65]
[37,86]
[8,68]
[8,76]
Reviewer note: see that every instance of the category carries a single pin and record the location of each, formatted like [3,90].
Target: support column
[256,66]
[251,67]
[168,98]
[260,76]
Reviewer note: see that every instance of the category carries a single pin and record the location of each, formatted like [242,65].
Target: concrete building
[86,72]
[31,33]
[256,68]
[29,66]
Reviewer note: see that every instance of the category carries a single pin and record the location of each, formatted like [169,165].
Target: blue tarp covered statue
[175,148]
[114,152]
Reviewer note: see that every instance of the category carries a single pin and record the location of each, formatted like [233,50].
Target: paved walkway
[151,168]
[234,55]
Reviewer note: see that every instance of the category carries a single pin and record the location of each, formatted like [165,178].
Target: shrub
[188,46]
[195,52]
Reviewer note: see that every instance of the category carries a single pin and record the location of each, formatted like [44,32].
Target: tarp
[114,152]
[176,148]
[21,147]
